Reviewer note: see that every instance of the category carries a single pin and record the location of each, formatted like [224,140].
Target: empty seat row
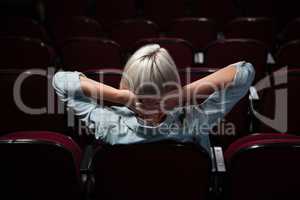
[257,167]
[22,26]
[22,52]
[49,165]
[114,10]
[86,52]
[218,54]
[198,31]
[40,165]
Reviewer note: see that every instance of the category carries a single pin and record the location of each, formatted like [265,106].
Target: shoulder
[64,79]
[65,75]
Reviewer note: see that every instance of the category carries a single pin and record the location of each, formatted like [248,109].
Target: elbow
[245,74]
[250,72]
[67,83]
[58,80]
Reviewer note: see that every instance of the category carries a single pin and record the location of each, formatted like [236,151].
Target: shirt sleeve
[68,89]
[219,103]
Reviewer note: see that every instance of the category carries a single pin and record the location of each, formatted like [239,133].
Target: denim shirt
[119,125]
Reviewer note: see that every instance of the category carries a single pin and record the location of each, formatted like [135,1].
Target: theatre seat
[29,102]
[110,12]
[264,167]
[58,9]
[291,31]
[25,53]
[278,103]
[288,54]
[258,28]
[76,26]
[224,52]
[22,27]
[220,11]
[87,52]
[160,170]
[257,8]
[160,12]
[39,165]
[198,31]
[127,32]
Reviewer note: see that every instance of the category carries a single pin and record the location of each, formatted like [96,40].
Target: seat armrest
[253,93]
[85,165]
[255,104]
[86,171]
[219,159]
[219,173]
[254,100]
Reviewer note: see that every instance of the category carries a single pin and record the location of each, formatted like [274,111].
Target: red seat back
[258,28]
[292,30]
[161,170]
[30,102]
[78,26]
[220,11]
[25,53]
[160,12]
[110,12]
[83,53]
[56,9]
[257,8]
[22,27]
[39,165]
[198,31]
[127,32]
[224,52]
[263,168]
[281,99]
[288,54]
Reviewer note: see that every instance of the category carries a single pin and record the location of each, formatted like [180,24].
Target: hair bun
[152,48]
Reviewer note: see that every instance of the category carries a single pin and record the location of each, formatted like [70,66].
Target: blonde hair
[150,70]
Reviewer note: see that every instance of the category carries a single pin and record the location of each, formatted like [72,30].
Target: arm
[75,91]
[68,89]
[100,91]
[209,84]
[199,91]
[236,85]
[78,92]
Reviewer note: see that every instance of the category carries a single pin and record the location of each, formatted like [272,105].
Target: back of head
[150,71]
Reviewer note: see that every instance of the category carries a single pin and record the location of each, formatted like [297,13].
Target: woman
[155,107]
